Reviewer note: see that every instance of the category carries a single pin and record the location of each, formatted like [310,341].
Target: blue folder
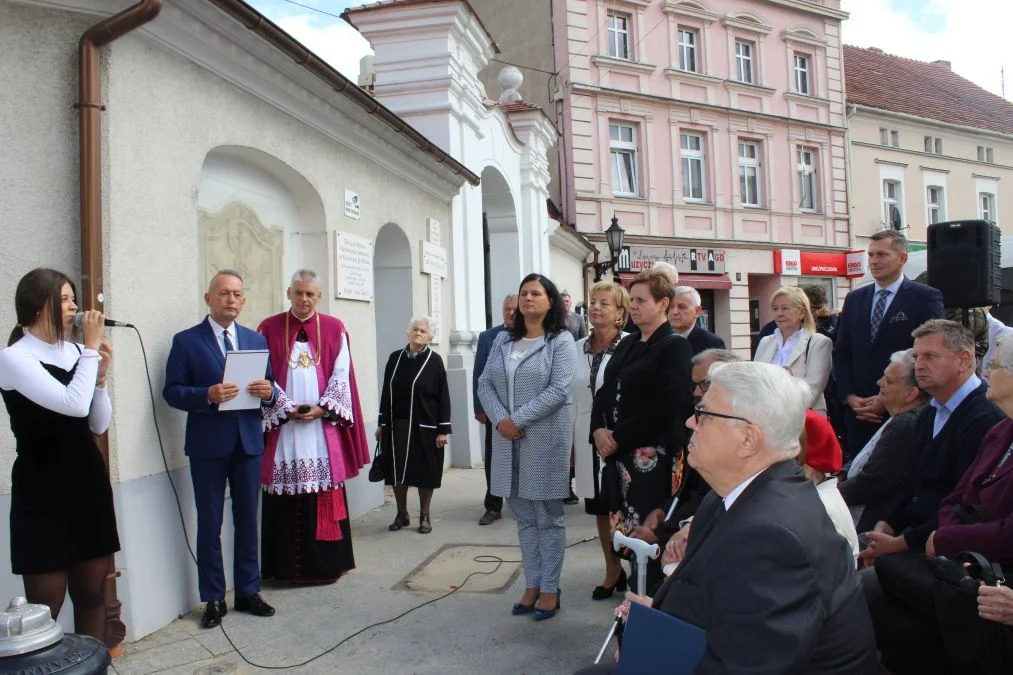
[656,642]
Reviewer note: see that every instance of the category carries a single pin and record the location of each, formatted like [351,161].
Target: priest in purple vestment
[305,534]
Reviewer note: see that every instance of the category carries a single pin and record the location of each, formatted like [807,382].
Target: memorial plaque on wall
[353,268]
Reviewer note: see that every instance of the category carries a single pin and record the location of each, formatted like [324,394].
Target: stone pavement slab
[470,631]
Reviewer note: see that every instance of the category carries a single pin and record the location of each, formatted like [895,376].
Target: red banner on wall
[792,262]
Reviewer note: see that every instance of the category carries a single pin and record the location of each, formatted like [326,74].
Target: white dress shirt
[220,334]
[893,288]
[686,334]
[785,348]
[734,494]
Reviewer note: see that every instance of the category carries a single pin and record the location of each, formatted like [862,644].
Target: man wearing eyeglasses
[765,573]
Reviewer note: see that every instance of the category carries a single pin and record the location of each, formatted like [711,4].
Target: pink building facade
[715,131]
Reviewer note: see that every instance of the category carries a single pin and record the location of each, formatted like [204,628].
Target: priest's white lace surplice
[301,462]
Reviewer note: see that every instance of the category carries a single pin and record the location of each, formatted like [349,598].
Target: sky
[968,33]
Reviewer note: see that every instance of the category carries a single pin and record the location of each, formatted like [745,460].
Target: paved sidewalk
[471,631]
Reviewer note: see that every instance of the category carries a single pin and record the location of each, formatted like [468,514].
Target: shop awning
[701,282]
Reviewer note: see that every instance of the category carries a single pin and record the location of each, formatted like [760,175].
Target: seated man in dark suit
[877,321]
[765,573]
[684,315]
[947,437]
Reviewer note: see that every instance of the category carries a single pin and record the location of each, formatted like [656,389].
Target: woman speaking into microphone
[63,526]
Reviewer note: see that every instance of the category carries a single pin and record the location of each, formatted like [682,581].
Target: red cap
[822,451]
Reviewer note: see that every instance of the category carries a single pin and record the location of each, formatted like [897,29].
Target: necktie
[228,343]
[878,311]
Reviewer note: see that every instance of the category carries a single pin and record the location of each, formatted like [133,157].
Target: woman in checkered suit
[525,390]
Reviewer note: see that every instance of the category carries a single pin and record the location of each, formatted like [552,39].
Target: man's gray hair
[905,359]
[769,397]
[693,294]
[565,293]
[715,355]
[225,273]
[510,297]
[305,276]
[668,269]
[422,318]
[956,338]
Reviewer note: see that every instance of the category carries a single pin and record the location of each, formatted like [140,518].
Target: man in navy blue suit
[493,504]
[684,317]
[222,445]
[877,321]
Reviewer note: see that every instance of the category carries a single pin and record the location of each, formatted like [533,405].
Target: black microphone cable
[482,559]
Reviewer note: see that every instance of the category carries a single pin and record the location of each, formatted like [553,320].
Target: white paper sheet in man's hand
[242,367]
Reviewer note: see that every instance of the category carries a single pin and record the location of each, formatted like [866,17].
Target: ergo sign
[792,262]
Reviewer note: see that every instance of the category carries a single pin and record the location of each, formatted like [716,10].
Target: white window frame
[990,155]
[623,158]
[749,167]
[935,204]
[986,206]
[619,36]
[981,153]
[689,54]
[895,138]
[745,63]
[802,67]
[895,199]
[807,169]
[691,157]
[928,144]
[938,146]
[884,136]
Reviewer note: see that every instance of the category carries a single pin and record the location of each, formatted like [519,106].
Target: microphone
[79,321]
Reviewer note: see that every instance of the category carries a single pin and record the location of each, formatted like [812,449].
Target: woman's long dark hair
[555,318]
[40,287]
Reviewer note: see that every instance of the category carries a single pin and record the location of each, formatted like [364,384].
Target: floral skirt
[645,481]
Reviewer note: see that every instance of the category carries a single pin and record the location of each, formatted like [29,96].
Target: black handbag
[973,645]
[376,468]
[909,577]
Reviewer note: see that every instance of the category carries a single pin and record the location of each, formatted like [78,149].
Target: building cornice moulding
[930,169]
[693,10]
[804,35]
[927,121]
[571,242]
[612,63]
[810,7]
[758,89]
[745,22]
[919,154]
[691,76]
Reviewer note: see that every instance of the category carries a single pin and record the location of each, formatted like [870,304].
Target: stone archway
[392,292]
[502,243]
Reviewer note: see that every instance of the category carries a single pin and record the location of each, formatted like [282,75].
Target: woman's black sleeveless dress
[61,500]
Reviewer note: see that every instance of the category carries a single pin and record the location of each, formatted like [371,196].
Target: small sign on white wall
[434,231]
[434,259]
[352,204]
[353,269]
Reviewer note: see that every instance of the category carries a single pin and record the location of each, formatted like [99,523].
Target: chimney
[945,64]
[367,76]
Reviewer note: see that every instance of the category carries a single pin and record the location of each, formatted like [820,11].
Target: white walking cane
[643,552]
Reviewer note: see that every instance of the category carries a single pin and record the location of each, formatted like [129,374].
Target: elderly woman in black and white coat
[525,389]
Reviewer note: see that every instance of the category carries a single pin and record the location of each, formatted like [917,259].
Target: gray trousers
[541,529]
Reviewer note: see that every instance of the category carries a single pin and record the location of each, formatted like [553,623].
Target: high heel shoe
[605,592]
[543,614]
[519,609]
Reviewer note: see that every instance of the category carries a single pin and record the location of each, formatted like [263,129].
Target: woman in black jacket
[638,419]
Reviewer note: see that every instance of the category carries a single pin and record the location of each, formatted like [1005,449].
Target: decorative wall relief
[235,238]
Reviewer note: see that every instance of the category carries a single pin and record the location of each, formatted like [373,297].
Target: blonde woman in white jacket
[796,346]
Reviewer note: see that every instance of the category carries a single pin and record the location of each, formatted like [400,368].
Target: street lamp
[614,238]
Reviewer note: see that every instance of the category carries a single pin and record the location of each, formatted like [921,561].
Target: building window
[692,166]
[939,146]
[744,61]
[928,144]
[803,85]
[623,151]
[619,35]
[884,136]
[895,138]
[891,204]
[687,50]
[934,199]
[986,206]
[981,153]
[990,155]
[933,145]
[749,173]
[808,179]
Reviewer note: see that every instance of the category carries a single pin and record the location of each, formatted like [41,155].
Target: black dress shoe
[254,605]
[213,613]
[604,592]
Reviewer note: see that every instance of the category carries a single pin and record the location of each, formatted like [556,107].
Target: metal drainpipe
[90,108]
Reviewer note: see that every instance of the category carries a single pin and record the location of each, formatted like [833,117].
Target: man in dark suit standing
[877,321]
[493,504]
[574,322]
[764,572]
[223,446]
[684,315]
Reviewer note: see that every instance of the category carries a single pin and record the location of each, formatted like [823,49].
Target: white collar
[893,288]
[686,334]
[219,328]
[734,494]
[792,339]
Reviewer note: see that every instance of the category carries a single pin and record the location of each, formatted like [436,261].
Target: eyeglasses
[699,412]
[703,384]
